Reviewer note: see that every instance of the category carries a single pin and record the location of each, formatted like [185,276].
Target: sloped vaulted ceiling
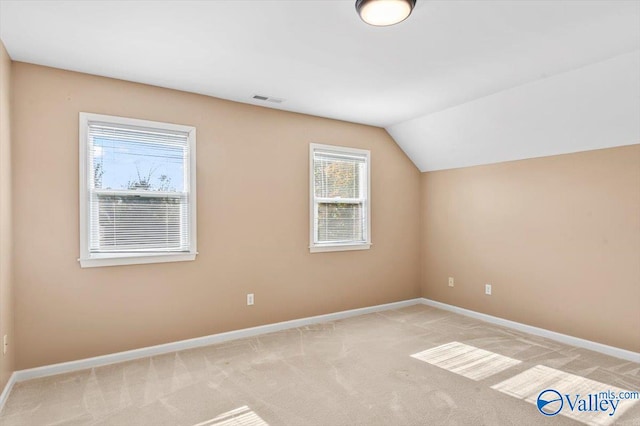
[458,84]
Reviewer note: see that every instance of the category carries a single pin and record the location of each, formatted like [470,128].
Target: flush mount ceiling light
[382,13]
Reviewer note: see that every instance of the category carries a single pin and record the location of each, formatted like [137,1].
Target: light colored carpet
[412,366]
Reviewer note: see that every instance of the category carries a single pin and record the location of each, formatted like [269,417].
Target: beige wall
[253,235]
[6,241]
[557,237]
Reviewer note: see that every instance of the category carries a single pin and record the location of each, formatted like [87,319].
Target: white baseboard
[65,367]
[559,337]
[7,390]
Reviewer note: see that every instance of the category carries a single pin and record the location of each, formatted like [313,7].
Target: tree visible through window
[340,196]
[138,188]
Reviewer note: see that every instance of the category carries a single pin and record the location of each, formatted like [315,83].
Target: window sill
[134,259]
[320,248]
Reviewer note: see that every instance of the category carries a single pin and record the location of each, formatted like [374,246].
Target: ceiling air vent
[268,99]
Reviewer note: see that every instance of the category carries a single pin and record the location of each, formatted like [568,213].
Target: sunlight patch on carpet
[465,360]
[571,388]
[242,416]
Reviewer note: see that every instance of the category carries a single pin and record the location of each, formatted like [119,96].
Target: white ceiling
[324,61]
[597,106]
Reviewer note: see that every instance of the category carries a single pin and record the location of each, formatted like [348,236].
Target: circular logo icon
[549,402]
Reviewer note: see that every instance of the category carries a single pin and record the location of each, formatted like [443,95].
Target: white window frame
[88,259]
[314,246]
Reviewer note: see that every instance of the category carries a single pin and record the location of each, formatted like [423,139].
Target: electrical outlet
[5,343]
[450,281]
[487,289]
[250,299]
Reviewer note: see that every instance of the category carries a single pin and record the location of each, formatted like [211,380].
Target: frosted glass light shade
[382,13]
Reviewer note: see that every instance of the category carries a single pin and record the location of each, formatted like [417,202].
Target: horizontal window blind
[340,197]
[138,190]
[339,222]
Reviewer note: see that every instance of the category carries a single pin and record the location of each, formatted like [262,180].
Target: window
[137,191]
[340,208]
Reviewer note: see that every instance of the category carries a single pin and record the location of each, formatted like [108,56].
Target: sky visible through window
[129,164]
